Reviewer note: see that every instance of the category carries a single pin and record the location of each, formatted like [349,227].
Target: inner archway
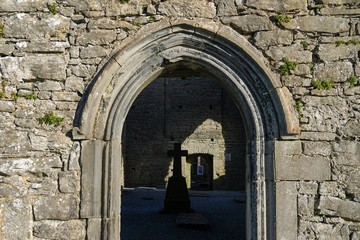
[210,47]
[193,109]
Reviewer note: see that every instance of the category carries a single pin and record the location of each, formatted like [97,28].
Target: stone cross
[177,197]
[177,153]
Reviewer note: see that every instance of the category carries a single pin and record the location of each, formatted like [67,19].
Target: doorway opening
[199,172]
[191,108]
[194,110]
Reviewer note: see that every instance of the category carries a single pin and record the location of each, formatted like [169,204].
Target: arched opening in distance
[169,45]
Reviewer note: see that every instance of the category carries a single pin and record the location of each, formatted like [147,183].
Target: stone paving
[141,218]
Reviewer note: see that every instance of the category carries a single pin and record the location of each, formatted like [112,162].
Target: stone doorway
[168,45]
[200,172]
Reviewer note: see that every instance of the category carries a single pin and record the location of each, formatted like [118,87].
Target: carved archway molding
[161,47]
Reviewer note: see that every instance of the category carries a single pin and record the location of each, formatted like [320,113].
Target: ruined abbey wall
[50,51]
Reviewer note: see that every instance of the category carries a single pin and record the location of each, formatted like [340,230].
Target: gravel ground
[141,218]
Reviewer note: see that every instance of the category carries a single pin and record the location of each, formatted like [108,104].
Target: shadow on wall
[191,109]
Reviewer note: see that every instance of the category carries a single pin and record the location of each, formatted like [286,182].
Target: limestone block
[59,207]
[151,9]
[186,8]
[38,142]
[278,5]
[94,228]
[351,128]
[62,230]
[303,69]
[67,106]
[58,141]
[74,157]
[96,37]
[83,5]
[330,188]
[26,26]
[49,86]
[7,106]
[347,153]
[351,147]
[332,206]
[93,52]
[74,84]
[265,39]
[12,69]
[336,2]
[65,96]
[309,188]
[294,53]
[306,205]
[120,9]
[347,159]
[43,47]
[357,67]
[14,141]
[287,148]
[82,71]
[43,106]
[15,219]
[106,23]
[319,24]
[7,121]
[340,231]
[74,53]
[249,23]
[69,182]
[46,67]
[226,8]
[42,164]
[331,52]
[286,211]
[322,230]
[339,11]
[91,178]
[295,81]
[337,72]
[7,190]
[6,49]
[314,168]
[353,186]
[22,6]
[355,236]
[317,148]
[42,186]
[291,165]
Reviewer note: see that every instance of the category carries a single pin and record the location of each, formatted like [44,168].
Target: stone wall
[192,110]
[51,50]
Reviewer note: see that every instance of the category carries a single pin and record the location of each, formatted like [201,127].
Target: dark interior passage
[195,111]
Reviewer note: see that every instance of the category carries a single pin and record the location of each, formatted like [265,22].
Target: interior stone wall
[51,50]
[195,111]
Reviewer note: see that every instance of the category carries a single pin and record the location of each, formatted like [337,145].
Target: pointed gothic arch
[170,44]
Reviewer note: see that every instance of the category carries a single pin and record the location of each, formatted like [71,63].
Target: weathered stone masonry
[52,57]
